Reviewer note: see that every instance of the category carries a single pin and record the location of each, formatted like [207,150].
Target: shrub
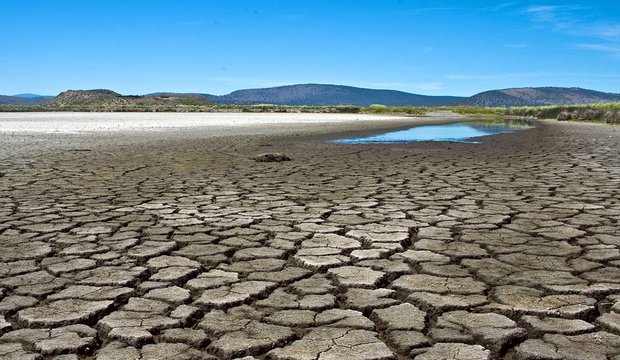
[564,115]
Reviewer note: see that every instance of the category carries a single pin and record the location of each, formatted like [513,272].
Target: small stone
[316,284]
[150,249]
[113,276]
[439,284]
[292,318]
[335,343]
[445,302]
[36,283]
[116,350]
[175,351]
[592,346]
[134,336]
[15,351]
[63,312]
[14,303]
[195,338]
[27,336]
[254,338]
[405,341]
[146,305]
[176,274]
[400,317]
[71,265]
[235,294]
[218,322]
[550,325]
[32,250]
[66,357]
[257,253]
[494,330]
[318,229]
[367,299]
[610,322]
[4,325]
[354,276]
[320,262]
[173,295]
[344,319]
[392,268]
[369,254]
[13,268]
[285,276]
[331,241]
[455,351]
[86,292]
[165,261]
[213,279]
[186,313]
[147,286]
[417,256]
[271,157]
[250,266]
[280,299]
[132,319]
[518,299]
[451,270]
[67,340]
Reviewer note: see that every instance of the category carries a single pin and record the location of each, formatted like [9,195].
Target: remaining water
[459,132]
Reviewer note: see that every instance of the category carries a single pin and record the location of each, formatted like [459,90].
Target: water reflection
[459,132]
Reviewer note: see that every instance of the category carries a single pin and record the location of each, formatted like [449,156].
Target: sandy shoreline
[34,133]
[73,123]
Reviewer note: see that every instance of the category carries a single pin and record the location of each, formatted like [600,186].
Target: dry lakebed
[159,236]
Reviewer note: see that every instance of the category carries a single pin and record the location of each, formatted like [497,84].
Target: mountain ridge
[102,97]
[22,101]
[330,95]
[539,96]
[326,95]
[31,96]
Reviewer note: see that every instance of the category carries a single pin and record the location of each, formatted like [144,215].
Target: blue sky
[217,46]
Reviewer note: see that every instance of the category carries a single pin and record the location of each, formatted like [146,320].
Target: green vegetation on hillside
[474,110]
[603,112]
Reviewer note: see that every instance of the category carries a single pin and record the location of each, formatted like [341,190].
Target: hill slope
[32,96]
[18,100]
[329,95]
[108,97]
[539,96]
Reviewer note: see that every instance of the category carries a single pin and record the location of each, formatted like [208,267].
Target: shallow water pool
[458,132]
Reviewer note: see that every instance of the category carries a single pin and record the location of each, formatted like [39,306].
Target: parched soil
[179,245]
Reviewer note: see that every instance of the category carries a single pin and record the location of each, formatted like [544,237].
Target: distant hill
[108,97]
[328,95]
[323,95]
[539,96]
[17,100]
[32,96]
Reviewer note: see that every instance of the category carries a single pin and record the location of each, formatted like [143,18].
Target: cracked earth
[184,247]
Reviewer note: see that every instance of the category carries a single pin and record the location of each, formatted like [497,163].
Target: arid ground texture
[149,242]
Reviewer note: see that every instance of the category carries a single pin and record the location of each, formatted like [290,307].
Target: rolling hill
[108,97]
[32,96]
[318,94]
[25,101]
[326,95]
[539,96]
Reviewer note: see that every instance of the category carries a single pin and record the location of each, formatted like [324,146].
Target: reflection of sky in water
[459,132]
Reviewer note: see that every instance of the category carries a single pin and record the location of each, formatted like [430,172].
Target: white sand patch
[74,123]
